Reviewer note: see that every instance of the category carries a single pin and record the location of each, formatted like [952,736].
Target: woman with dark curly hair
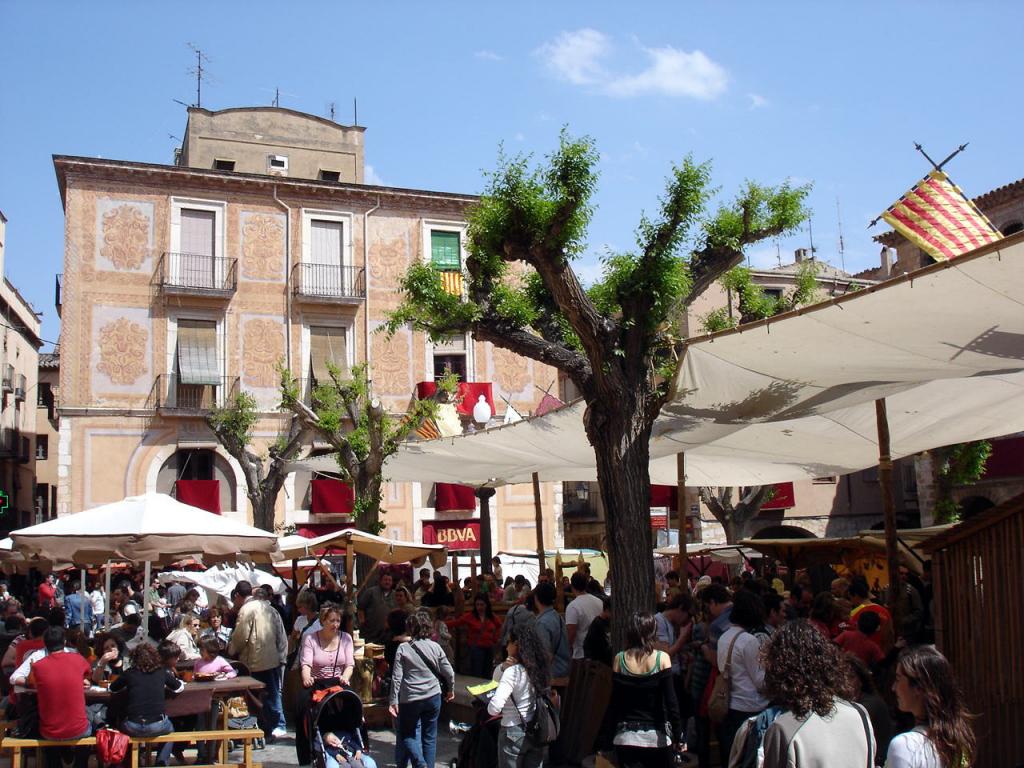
[522,678]
[926,687]
[818,727]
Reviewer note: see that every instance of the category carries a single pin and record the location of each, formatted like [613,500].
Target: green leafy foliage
[752,303]
[236,418]
[958,465]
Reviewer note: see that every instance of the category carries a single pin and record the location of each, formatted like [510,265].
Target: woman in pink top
[210,662]
[327,658]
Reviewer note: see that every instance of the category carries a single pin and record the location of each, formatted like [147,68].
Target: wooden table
[220,689]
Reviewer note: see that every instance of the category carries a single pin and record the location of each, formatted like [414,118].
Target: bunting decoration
[937,217]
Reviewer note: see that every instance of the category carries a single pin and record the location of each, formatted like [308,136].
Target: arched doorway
[205,465]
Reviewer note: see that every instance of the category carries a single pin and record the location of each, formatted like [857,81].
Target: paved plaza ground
[282,751]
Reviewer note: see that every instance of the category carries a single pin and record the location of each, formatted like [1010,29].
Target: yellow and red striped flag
[936,216]
[452,282]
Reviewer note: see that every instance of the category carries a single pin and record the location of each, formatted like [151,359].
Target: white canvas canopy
[221,580]
[150,528]
[362,543]
[794,397]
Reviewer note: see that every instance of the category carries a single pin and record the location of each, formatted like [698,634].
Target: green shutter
[444,250]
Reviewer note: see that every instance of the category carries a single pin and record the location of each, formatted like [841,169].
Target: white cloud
[520,136]
[673,72]
[370,176]
[576,56]
[757,101]
[487,55]
[580,58]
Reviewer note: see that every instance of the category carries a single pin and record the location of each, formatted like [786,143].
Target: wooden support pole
[889,508]
[350,565]
[486,545]
[681,508]
[538,522]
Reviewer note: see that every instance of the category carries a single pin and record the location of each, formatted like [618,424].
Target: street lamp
[482,415]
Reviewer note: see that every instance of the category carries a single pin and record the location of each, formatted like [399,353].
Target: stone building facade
[19,358]
[184,284]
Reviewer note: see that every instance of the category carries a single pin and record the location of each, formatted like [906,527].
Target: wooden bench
[221,737]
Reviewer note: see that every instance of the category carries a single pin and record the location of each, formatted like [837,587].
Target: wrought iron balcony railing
[329,283]
[197,274]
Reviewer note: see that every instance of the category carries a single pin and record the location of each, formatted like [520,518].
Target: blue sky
[834,93]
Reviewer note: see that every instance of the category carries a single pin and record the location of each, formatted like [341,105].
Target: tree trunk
[263,511]
[620,435]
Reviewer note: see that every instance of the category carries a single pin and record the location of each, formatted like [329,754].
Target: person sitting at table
[211,662]
[327,658]
[169,653]
[216,629]
[185,636]
[147,682]
[112,659]
[60,680]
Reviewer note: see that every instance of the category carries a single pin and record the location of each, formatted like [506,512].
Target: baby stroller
[479,745]
[338,712]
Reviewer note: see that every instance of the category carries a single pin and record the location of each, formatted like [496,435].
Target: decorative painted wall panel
[124,235]
[262,252]
[121,359]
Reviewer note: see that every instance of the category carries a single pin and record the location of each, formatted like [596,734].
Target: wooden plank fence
[978,582]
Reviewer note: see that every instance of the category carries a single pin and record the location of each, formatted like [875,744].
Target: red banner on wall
[451,497]
[454,534]
[204,494]
[330,497]
[784,498]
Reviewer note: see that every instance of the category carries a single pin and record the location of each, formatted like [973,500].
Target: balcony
[194,274]
[20,385]
[9,442]
[329,283]
[8,380]
[171,396]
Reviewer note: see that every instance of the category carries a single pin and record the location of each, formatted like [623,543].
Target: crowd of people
[785,678]
[775,677]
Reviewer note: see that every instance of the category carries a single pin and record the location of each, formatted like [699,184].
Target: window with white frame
[326,253]
[196,258]
[328,345]
[195,360]
[452,354]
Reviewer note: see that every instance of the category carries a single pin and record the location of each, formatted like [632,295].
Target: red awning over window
[449,497]
[330,497]
[784,498]
[469,391]
[665,496]
[454,534]
[204,494]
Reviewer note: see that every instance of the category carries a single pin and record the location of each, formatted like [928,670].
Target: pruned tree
[735,517]
[752,303]
[956,466]
[343,413]
[619,342]
[232,425]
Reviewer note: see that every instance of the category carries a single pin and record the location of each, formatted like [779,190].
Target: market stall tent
[794,397]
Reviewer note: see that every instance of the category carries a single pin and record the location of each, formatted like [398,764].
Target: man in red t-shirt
[860,597]
[60,680]
[858,641]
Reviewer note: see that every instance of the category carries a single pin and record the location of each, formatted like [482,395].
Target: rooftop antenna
[198,71]
[778,251]
[810,233]
[842,245]
[277,97]
[330,110]
[355,111]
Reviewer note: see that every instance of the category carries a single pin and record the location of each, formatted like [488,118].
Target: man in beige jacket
[260,642]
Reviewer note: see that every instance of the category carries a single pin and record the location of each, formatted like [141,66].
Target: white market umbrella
[149,528]
[362,543]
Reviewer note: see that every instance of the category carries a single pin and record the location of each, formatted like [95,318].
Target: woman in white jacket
[522,678]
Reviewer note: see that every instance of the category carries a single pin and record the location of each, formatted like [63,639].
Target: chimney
[886,262]
[800,254]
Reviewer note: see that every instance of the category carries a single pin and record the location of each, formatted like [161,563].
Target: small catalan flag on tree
[939,218]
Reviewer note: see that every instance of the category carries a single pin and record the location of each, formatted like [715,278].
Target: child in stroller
[339,736]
